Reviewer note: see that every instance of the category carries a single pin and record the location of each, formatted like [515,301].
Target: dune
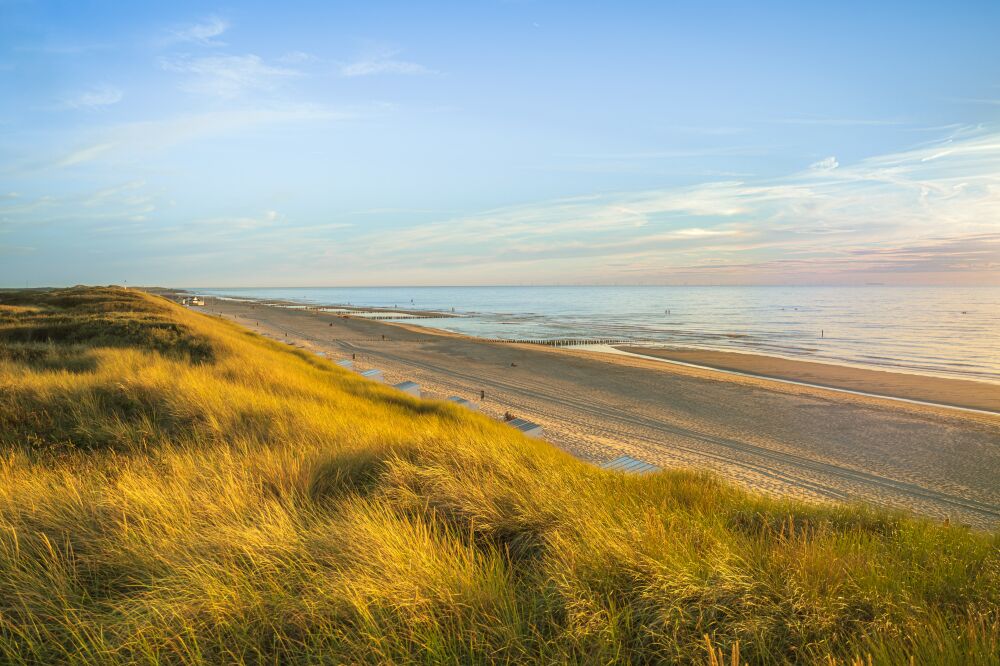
[175,488]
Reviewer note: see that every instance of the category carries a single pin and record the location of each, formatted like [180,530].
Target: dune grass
[174,489]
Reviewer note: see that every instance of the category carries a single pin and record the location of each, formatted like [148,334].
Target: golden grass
[174,489]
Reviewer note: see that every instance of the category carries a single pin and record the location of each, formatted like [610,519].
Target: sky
[505,142]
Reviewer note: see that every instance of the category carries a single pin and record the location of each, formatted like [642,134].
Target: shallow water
[946,331]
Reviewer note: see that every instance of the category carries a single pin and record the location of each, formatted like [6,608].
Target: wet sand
[775,437]
[956,392]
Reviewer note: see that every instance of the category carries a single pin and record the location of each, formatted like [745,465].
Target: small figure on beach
[354,356]
[507,416]
[513,365]
[482,395]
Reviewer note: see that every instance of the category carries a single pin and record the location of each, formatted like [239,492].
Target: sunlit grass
[174,489]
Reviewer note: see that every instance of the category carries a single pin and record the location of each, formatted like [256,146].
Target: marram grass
[174,489]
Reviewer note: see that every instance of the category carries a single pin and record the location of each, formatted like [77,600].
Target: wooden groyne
[563,342]
[380,317]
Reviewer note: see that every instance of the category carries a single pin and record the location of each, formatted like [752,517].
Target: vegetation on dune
[174,489]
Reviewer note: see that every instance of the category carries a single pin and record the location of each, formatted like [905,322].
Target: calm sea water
[946,331]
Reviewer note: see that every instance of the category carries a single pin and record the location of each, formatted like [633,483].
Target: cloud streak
[383,61]
[822,220]
[94,98]
[138,140]
[228,76]
[202,33]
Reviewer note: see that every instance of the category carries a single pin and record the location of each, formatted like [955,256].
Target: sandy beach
[777,437]
[940,390]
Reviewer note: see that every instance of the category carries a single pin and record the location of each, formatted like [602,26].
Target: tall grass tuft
[174,489]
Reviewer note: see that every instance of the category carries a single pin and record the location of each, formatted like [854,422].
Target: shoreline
[907,350]
[923,389]
[782,439]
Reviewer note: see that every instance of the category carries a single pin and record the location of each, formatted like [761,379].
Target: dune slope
[175,489]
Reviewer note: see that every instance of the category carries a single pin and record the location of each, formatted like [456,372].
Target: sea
[941,331]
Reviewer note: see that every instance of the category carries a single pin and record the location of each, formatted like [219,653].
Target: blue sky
[295,144]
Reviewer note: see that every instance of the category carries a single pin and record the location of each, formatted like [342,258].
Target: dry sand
[780,438]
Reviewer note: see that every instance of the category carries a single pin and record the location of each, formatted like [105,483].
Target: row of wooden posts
[563,342]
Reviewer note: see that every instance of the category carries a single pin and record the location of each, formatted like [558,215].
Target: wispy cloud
[268,231]
[85,154]
[202,33]
[828,217]
[137,140]
[383,61]
[128,203]
[116,191]
[950,257]
[825,164]
[228,76]
[94,98]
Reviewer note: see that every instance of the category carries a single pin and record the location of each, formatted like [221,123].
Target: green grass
[174,489]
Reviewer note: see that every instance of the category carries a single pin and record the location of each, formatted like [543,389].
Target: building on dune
[527,427]
[374,375]
[462,402]
[411,388]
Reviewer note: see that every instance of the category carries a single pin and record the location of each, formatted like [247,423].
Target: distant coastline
[913,331]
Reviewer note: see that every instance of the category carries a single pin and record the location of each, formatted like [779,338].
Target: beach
[940,390]
[780,438]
